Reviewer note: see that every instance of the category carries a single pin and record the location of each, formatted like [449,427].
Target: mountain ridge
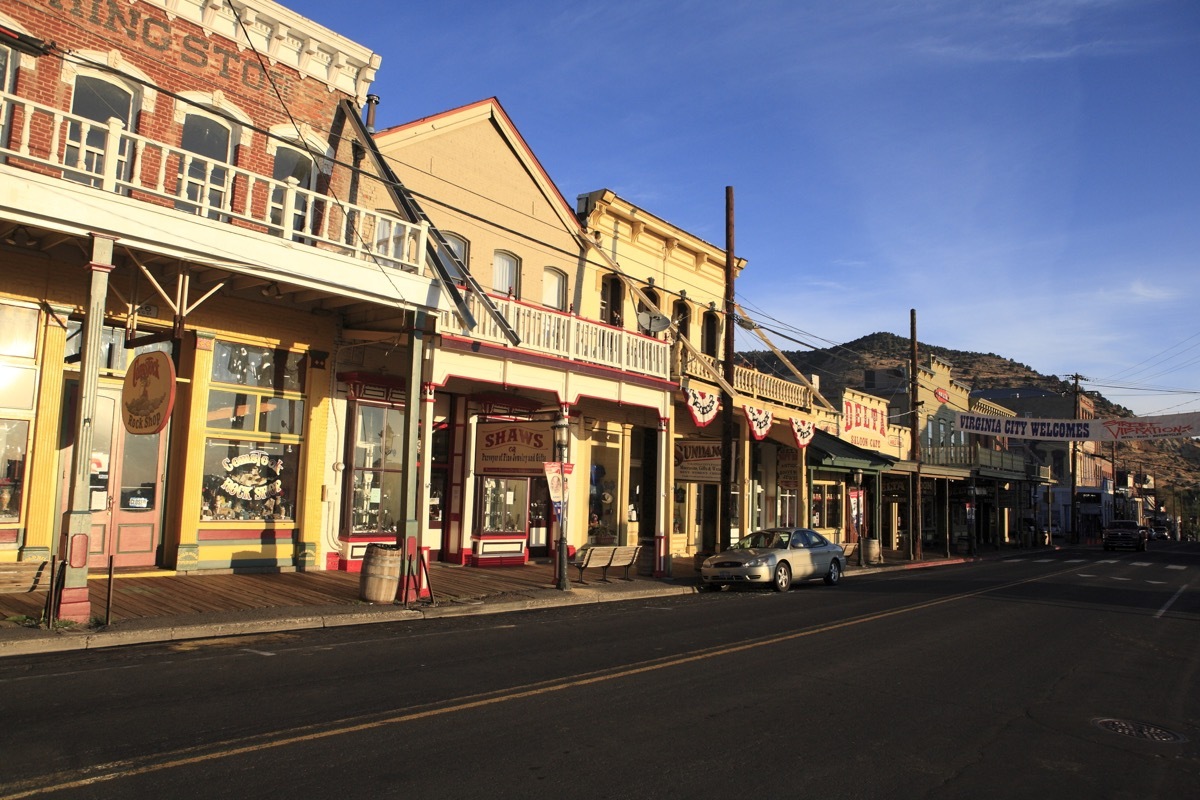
[1173,463]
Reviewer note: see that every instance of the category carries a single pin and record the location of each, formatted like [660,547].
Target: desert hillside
[1174,463]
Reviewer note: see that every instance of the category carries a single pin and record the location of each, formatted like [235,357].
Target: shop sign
[148,394]
[864,424]
[698,461]
[895,486]
[787,467]
[512,448]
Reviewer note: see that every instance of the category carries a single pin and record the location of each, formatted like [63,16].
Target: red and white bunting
[703,406]
[803,430]
[760,420]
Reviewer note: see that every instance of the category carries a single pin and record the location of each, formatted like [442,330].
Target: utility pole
[728,440]
[1074,448]
[914,394]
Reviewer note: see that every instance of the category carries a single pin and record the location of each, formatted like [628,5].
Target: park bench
[602,557]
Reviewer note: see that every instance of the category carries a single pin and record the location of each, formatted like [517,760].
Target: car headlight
[761,561]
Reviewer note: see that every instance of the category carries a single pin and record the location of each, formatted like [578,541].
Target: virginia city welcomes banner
[1116,429]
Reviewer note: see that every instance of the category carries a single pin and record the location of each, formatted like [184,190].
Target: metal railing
[109,158]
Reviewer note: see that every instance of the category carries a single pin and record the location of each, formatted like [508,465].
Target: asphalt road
[1068,675]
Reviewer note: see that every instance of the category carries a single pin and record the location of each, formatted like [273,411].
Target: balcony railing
[564,336]
[974,456]
[110,159]
[759,385]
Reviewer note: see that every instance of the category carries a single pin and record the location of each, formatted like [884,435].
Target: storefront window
[603,520]
[505,501]
[255,476]
[249,480]
[14,442]
[826,505]
[377,480]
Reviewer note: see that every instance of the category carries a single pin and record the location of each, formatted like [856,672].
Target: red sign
[942,395]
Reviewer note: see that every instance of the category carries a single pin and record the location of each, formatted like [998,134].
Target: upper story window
[8,69]
[203,171]
[395,242]
[710,334]
[506,274]
[612,300]
[292,163]
[97,100]
[554,289]
[682,317]
[461,249]
[643,309]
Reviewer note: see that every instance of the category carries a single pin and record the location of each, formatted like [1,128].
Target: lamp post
[562,438]
[857,476]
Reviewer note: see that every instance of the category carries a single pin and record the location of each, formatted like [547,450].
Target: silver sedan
[775,557]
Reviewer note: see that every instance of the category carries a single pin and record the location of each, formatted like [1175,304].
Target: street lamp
[562,438]
[857,476]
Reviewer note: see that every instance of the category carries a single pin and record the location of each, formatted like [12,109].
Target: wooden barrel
[380,577]
[873,554]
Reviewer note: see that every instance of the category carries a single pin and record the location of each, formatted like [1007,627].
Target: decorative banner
[148,394]
[803,430]
[1120,429]
[760,421]
[703,406]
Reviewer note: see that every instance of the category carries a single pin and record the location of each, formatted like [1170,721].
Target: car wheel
[835,573]
[783,577]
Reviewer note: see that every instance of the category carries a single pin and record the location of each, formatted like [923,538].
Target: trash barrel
[379,580]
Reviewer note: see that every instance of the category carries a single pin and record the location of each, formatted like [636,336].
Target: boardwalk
[142,596]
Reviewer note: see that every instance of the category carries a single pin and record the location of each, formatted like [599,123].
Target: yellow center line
[101,773]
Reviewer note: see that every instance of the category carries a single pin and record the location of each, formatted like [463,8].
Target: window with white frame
[554,289]
[506,274]
[395,243]
[461,249]
[96,101]
[204,167]
[292,163]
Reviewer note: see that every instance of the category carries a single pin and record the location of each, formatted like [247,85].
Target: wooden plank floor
[136,597]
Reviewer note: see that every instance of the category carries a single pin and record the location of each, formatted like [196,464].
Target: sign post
[557,475]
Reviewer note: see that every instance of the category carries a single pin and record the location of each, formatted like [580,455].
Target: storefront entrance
[126,480]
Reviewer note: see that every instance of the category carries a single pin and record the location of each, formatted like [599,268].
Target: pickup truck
[1125,533]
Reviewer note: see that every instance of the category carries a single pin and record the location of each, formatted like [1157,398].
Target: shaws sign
[513,448]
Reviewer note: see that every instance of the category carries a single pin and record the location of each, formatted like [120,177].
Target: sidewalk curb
[41,641]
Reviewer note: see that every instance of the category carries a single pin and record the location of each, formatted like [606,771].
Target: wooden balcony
[974,456]
[107,158]
[752,384]
[565,336]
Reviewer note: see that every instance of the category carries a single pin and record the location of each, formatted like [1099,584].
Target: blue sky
[1025,175]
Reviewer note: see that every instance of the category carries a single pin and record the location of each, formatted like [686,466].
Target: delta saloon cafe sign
[513,448]
[864,420]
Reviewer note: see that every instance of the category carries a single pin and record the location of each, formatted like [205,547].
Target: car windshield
[776,540]
[1124,523]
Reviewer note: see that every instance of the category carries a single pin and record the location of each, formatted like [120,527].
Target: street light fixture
[562,439]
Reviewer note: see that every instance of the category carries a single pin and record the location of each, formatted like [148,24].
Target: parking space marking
[1176,566]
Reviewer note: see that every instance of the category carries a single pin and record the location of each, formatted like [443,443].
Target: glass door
[126,478]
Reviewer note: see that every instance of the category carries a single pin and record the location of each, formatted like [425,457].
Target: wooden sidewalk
[141,596]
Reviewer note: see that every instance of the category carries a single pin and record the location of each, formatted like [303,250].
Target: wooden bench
[602,557]
[23,576]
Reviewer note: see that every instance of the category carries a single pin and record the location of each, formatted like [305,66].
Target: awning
[829,452]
